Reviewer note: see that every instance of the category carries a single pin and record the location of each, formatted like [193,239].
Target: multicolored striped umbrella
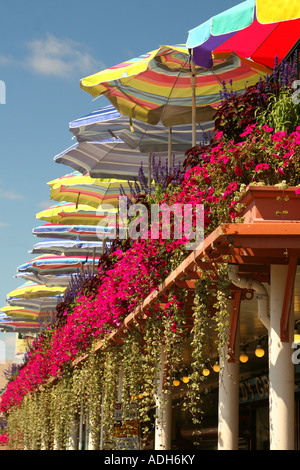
[108,122]
[48,280]
[82,189]
[42,305]
[68,247]
[164,86]
[32,290]
[24,324]
[258,30]
[74,232]
[104,158]
[54,264]
[68,213]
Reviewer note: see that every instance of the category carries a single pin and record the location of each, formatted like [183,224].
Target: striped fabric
[48,280]
[156,87]
[72,232]
[105,158]
[39,305]
[53,264]
[255,30]
[107,122]
[82,189]
[68,247]
[71,213]
[31,290]
[20,320]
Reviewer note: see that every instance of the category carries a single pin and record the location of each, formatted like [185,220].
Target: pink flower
[262,166]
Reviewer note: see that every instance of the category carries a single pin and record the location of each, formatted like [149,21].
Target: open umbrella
[32,290]
[67,213]
[48,280]
[163,86]
[258,30]
[68,247]
[40,305]
[74,232]
[109,122]
[23,324]
[102,159]
[82,189]
[55,264]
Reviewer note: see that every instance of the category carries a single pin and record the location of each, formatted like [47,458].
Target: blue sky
[45,49]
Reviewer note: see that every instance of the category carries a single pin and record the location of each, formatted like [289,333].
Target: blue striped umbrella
[54,264]
[72,232]
[110,158]
[68,247]
[108,122]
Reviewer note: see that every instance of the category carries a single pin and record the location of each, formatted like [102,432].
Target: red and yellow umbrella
[162,86]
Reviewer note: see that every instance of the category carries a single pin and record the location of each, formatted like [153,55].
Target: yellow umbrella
[165,86]
[21,312]
[82,189]
[71,213]
[31,290]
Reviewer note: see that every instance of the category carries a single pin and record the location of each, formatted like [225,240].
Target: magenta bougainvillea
[213,176]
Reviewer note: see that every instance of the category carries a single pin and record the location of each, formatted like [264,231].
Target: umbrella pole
[94,249]
[193,84]
[149,170]
[170,147]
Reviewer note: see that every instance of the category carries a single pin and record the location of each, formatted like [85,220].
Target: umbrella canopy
[19,312]
[67,213]
[257,30]
[108,122]
[48,280]
[73,232]
[163,86]
[68,247]
[82,189]
[19,325]
[32,290]
[42,305]
[54,264]
[104,158]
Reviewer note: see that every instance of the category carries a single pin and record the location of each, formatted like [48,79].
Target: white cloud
[4,224]
[44,204]
[62,58]
[11,195]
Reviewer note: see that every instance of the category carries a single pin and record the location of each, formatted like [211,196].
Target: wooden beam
[287,300]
